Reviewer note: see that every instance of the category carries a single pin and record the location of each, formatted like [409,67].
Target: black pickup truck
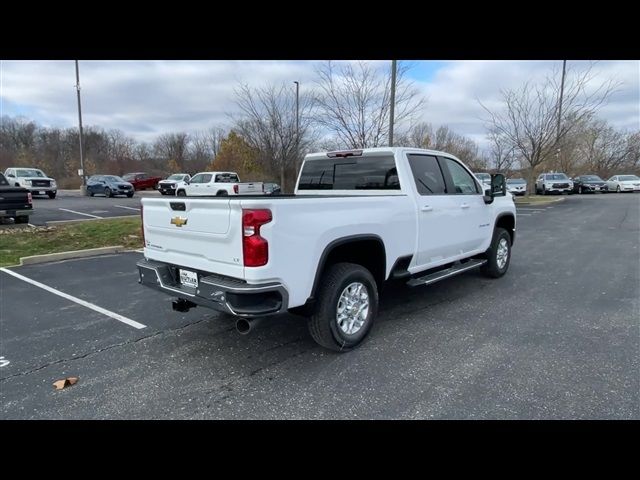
[15,202]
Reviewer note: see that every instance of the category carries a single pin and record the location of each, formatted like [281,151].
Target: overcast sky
[147,98]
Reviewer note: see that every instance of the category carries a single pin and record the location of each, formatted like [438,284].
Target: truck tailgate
[203,234]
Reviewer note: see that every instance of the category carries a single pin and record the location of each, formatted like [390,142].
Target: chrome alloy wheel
[353,308]
[503,253]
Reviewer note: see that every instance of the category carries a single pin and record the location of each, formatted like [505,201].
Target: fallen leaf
[65,382]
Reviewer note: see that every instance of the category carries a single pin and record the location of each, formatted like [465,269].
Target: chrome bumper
[224,294]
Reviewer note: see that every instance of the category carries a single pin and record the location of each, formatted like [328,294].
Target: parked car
[33,179]
[623,183]
[553,183]
[108,185]
[517,186]
[325,251]
[589,183]
[141,180]
[271,189]
[209,184]
[485,178]
[171,183]
[15,202]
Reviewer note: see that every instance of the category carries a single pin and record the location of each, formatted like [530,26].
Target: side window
[462,180]
[197,178]
[206,178]
[427,174]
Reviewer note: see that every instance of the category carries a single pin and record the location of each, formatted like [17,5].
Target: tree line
[347,108]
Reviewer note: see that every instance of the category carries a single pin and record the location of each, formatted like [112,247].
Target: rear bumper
[223,294]
[15,213]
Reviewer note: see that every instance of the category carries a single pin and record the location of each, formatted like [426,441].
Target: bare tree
[529,115]
[353,102]
[268,123]
[173,146]
[501,152]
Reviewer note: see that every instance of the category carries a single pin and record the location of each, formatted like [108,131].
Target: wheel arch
[507,221]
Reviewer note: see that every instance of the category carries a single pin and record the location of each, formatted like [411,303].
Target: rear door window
[427,174]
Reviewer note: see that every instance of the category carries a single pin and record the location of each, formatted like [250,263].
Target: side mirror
[187,181]
[498,188]
[488,196]
[11,175]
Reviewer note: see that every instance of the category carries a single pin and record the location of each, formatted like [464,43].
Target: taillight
[142,224]
[29,198]
[235,189]
[255,249]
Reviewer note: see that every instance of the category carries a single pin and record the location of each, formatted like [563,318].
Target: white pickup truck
[220,184]
[357,218]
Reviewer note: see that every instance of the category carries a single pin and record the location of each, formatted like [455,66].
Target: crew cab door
[473,226]
[436,212]
[199,185]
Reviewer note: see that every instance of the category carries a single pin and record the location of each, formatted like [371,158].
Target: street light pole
[297,123]
[564,71]
[84,183]
[393,101]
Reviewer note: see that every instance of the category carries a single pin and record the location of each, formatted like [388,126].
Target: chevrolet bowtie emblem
[178,221]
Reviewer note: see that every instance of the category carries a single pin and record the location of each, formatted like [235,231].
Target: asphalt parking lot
[557,337]
[70,205]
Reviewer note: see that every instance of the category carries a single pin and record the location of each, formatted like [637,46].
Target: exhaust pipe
[245,325]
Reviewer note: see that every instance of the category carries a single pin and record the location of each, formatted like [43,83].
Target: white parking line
[128,208]
[524,214]
[79,213]
[77,300]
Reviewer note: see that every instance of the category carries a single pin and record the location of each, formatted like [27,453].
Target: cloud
[147,98]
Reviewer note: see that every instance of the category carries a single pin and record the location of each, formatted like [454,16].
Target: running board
[442,274]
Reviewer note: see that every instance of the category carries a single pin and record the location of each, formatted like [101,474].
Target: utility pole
[297,125]
[393,101]
[84,182]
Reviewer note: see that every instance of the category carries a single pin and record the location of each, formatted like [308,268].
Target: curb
[562,199]
[54,257]
[53,223]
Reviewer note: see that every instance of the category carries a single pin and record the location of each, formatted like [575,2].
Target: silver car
[554,183]
[517,186]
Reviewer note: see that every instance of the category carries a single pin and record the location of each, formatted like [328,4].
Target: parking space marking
[115,316]
[79,213]
[128,208]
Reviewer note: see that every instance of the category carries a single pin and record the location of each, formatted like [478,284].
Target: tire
[323,324]
[181,193]
[544,190]
[492,268]
[22,219]
[580,190]
[129,195]
[51,195]
[618,189]
[108,192]
[222,193]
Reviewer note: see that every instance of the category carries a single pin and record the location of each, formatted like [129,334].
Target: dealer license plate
[189,279]
[41,192]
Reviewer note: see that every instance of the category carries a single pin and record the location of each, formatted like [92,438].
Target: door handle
[427,208]
[464,205]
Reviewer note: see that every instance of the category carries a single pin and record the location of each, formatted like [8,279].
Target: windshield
[556,176]
[177,176]
[129,176]
[112,178]
[516,181]
[592,178]
[29,172]
[627,178]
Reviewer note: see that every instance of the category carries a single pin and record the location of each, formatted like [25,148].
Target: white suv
[553,182]
[33,180]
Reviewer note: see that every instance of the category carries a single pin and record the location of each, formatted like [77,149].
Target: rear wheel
[22,219]
[346,309]
[499,254]
[222,193]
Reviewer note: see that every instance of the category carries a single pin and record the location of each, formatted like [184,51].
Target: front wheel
[130,195]
[346,309]
[181,193]
[580,190]
[108,192]
[499,254]
[51,195]
[618,189]
[22,219]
